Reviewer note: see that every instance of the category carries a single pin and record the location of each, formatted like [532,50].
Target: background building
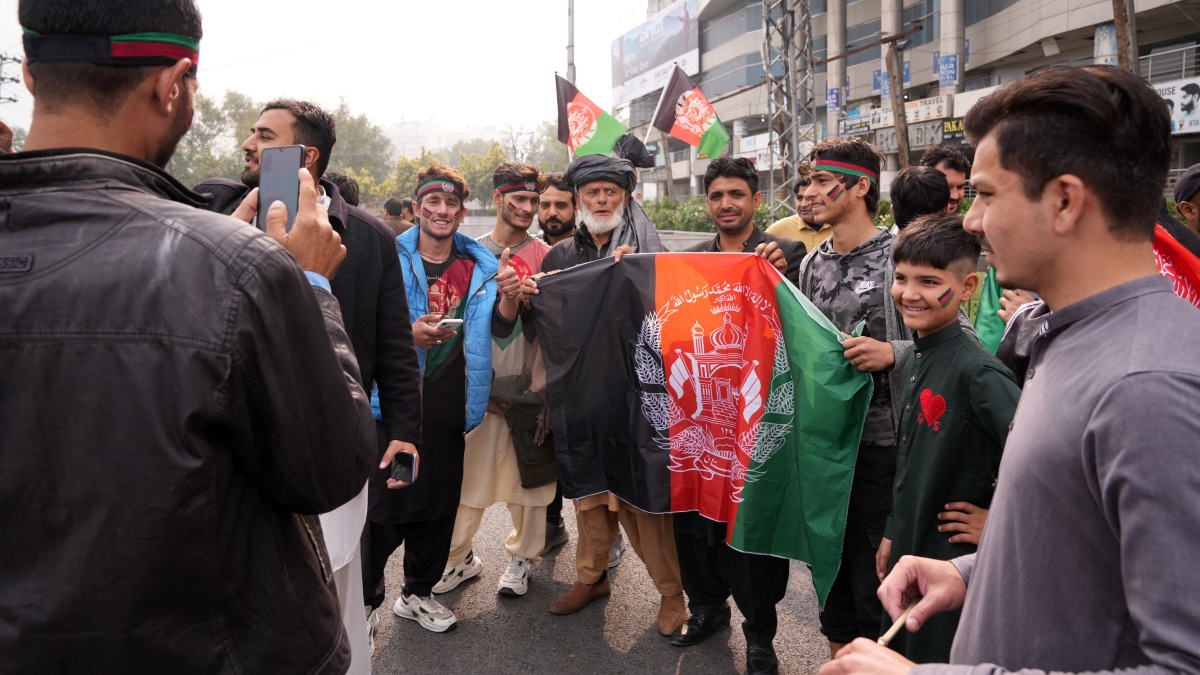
[962,51]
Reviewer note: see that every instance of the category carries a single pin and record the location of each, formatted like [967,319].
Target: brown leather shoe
[672,613]
[579,595]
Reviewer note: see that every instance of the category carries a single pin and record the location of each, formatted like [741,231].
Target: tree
[477,169]
[361,145]
[212,148]
[548,153]
[403,182]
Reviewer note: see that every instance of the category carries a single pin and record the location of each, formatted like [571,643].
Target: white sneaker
[425,611]
[515,580]
[453,576]
[372,626]
[617,551]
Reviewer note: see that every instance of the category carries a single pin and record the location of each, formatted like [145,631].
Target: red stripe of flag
[152,49]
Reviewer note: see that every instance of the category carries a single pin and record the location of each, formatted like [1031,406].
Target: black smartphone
[404,467]
[279,180]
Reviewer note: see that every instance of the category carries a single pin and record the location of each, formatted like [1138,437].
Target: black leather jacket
[171,401]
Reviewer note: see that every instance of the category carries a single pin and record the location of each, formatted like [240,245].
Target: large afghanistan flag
[583,125]
[685,113]
[705,382]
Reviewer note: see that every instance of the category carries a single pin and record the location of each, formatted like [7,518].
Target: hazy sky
[455,61]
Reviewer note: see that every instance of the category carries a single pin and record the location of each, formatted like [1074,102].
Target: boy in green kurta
[957,402]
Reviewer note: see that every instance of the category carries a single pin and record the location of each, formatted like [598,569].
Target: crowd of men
[203,409]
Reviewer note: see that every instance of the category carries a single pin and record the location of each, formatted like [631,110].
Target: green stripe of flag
[608,132]
[714,140]
[797,508]
[167,38]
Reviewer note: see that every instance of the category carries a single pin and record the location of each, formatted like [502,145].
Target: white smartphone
[451,324]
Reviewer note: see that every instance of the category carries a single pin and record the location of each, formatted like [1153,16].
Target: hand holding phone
[279,180]
[404,467]
[448,324]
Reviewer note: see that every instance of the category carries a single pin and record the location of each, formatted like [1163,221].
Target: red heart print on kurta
[933,405]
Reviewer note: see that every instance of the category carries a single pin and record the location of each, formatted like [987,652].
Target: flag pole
[670,78]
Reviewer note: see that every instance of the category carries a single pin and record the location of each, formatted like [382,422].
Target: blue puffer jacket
[477,321]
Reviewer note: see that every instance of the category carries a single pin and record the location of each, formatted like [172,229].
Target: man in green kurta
[957,402]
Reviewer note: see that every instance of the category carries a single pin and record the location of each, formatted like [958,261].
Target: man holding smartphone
[177,394]
[369,287]
[447,275]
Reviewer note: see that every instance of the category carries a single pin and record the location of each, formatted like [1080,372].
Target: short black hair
[802,183]
[938,241]
[555,180]
[407,204]
[953,157]
[346,185]
[859,152]
[731,167]
[918,191]
[312,126]
[103,86]
[393,207]
[1102,124]
[514,172]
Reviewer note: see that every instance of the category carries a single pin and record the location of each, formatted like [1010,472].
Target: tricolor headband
[522,186]
[438,186]
[843,166]
[134,49]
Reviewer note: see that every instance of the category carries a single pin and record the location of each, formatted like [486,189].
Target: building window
[819,7]
[978,10]
[859,35]
[734,22]
[731,75]
[641,109]
[928,14]
[820,51]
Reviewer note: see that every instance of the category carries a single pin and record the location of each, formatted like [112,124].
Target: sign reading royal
[642,58]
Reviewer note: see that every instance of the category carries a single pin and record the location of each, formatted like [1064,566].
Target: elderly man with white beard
[610,224]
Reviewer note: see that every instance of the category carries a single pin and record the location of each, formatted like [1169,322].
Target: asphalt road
[502,635]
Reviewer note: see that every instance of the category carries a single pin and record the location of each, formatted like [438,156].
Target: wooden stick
[891,633]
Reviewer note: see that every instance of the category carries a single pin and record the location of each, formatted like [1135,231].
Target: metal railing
[1173,64]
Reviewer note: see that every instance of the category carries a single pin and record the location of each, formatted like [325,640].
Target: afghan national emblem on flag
[583,125]
[705,382]
[1177,264]
[685,113]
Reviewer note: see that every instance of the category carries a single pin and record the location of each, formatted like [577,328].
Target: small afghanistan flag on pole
[582,125]
[686,114]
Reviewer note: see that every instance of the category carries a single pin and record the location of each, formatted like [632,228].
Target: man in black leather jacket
[172,401]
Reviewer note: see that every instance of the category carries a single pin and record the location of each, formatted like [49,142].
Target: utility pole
[788,73]
[570,56]
[895,68]
[5,79]
[1127,47]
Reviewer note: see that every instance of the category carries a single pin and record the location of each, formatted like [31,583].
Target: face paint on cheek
[427,212]
[836,193]
[511,207]
[945,298]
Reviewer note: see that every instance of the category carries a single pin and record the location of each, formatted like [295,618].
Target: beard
[597,226]
[556,228]
[250,177]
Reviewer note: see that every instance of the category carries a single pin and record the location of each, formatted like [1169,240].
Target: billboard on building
[642,58]
[1183,102]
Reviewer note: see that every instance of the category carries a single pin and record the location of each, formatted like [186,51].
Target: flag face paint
[511,207]
[836,193]
[946,298]
[427,212]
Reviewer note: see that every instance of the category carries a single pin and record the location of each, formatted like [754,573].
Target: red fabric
[144,49]
[1177,264]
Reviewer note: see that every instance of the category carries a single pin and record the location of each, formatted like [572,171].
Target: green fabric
[607,132]
[798,509]
[714,140]
[988,323]
[957,401]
